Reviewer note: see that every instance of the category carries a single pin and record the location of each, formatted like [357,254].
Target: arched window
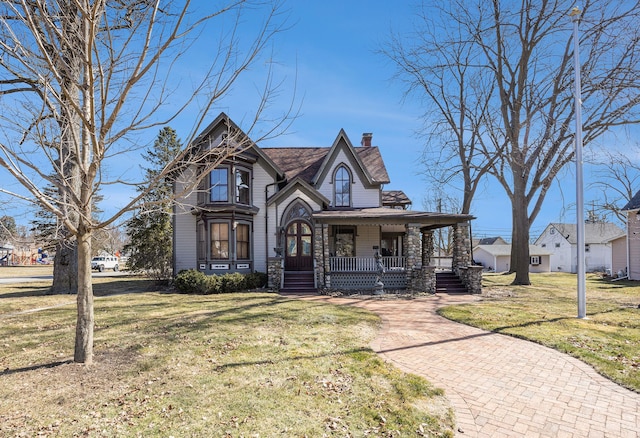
[342,184]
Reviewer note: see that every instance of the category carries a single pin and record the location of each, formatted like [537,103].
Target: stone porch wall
[274,272]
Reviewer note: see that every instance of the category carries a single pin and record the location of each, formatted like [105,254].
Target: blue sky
[329,53]
[345,84]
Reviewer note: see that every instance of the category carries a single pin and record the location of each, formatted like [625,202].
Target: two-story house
[310,217]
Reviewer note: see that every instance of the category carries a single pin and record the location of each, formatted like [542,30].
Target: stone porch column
[321,255]
[461,247]
[412,250]
[427,247]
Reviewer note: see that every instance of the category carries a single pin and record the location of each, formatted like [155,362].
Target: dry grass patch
[546,312]
[225,365]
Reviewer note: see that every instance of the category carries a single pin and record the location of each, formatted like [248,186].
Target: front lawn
[546,312]
[252,364]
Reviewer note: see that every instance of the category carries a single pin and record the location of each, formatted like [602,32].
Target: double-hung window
[219,232]
[242,242]
[219,180]
[242,187]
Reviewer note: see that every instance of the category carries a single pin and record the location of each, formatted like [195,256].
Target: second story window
[219,185]
[242,187]
[342,183]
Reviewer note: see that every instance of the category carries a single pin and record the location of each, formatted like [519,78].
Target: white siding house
[496,258]
[561,239]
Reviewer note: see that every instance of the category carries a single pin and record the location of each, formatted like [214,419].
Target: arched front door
[299,250]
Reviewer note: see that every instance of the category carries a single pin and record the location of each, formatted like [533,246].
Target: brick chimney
[366,139]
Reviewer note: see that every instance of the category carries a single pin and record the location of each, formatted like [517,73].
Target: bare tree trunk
[520,233]
[84,326]
[65,268]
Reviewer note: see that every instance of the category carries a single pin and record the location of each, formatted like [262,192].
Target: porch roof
[389,216]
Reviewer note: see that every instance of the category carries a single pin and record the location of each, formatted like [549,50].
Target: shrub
[256,280]
[232,282]
[195,282]
[192,282]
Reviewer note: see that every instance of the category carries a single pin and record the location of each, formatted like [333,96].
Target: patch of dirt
[65,392]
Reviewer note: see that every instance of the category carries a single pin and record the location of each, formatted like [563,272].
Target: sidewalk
[499,386]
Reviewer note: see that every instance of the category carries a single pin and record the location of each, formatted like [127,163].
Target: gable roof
[247,144]
[594,232]
[309,163]
[490,241]
[505,250]
[634,203]
[299,184]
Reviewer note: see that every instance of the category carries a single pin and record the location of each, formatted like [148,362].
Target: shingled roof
[594,232]
[393,198]
[305,162]
[633,204]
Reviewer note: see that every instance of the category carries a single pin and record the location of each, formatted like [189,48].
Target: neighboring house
[632,210]
[489,241]
[619,256]
[497,257]
[561,241]
[314,215]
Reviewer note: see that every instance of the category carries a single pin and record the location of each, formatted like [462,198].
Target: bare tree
[617,178]
[82,79]
[437,65]
[522,56]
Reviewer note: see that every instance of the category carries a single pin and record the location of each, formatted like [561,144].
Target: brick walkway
[500,386]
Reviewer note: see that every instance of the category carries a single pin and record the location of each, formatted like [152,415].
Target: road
[31,279]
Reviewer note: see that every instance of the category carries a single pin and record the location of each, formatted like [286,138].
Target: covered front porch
[351,245]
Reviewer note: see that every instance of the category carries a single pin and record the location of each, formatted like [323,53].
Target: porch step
[449,283]
[298,283]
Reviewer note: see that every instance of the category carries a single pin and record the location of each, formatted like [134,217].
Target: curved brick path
[499,386]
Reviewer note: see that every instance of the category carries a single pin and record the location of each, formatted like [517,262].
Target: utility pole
[582,300]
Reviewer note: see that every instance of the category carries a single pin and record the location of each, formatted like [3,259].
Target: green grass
[546,312]
[220,365]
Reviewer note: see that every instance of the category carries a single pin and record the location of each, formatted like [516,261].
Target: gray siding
[184,226]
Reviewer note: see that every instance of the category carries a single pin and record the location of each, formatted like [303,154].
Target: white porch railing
[365,264]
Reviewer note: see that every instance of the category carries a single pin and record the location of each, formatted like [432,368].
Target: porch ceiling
[389,216]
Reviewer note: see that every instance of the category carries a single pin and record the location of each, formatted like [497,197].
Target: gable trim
[304,187]
[330,157]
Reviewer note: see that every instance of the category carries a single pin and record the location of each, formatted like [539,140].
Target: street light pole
[582,300]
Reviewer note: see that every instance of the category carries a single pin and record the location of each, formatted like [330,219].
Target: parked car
[104,262]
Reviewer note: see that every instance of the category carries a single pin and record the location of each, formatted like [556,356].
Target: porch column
[412,250]
[427,247]
[461,247]
[321,255]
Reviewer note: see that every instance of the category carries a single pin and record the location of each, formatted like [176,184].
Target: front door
[299,251]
